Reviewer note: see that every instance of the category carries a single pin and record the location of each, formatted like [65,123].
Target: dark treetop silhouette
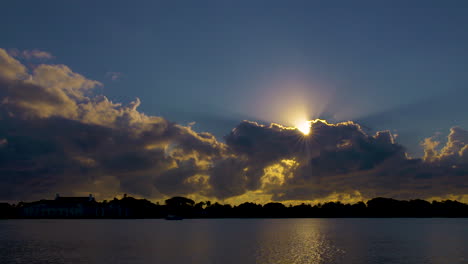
[129,207]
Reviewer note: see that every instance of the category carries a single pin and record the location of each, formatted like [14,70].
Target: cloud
[50,90]
[114,76]
[343,159]
[57,135]
[31,54]
[331,150]
[62,138]
[11,68]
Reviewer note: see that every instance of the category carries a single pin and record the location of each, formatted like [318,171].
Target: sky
[162,98]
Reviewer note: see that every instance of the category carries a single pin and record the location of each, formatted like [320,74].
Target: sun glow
[304,127]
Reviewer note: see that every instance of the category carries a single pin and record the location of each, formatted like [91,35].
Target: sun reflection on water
[304,242]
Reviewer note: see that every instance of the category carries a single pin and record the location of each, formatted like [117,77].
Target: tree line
[186,208]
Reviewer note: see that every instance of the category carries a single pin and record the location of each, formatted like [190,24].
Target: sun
[304,127]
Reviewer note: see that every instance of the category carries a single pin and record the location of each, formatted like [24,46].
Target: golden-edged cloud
[56,135]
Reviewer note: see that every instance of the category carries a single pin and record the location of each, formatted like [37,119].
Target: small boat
[173,217]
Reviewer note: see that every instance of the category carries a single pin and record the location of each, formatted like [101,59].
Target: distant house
[62,207]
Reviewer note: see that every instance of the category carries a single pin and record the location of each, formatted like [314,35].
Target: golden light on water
[304,127]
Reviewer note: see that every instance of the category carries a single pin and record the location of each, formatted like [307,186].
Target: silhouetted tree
[248,210]
[179,202]
[180,206]
[274,210]
[6,210]
[384,207]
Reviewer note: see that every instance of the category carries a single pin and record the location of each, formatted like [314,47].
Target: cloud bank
[57,135]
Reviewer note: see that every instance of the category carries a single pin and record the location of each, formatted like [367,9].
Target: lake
[205,241]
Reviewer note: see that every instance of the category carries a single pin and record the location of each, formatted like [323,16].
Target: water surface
[204,241]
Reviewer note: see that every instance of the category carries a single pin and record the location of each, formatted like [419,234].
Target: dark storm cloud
[228,177]
[342,158]
[69,153]
[56,136]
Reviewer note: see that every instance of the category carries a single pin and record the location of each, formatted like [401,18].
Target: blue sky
[395,65]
